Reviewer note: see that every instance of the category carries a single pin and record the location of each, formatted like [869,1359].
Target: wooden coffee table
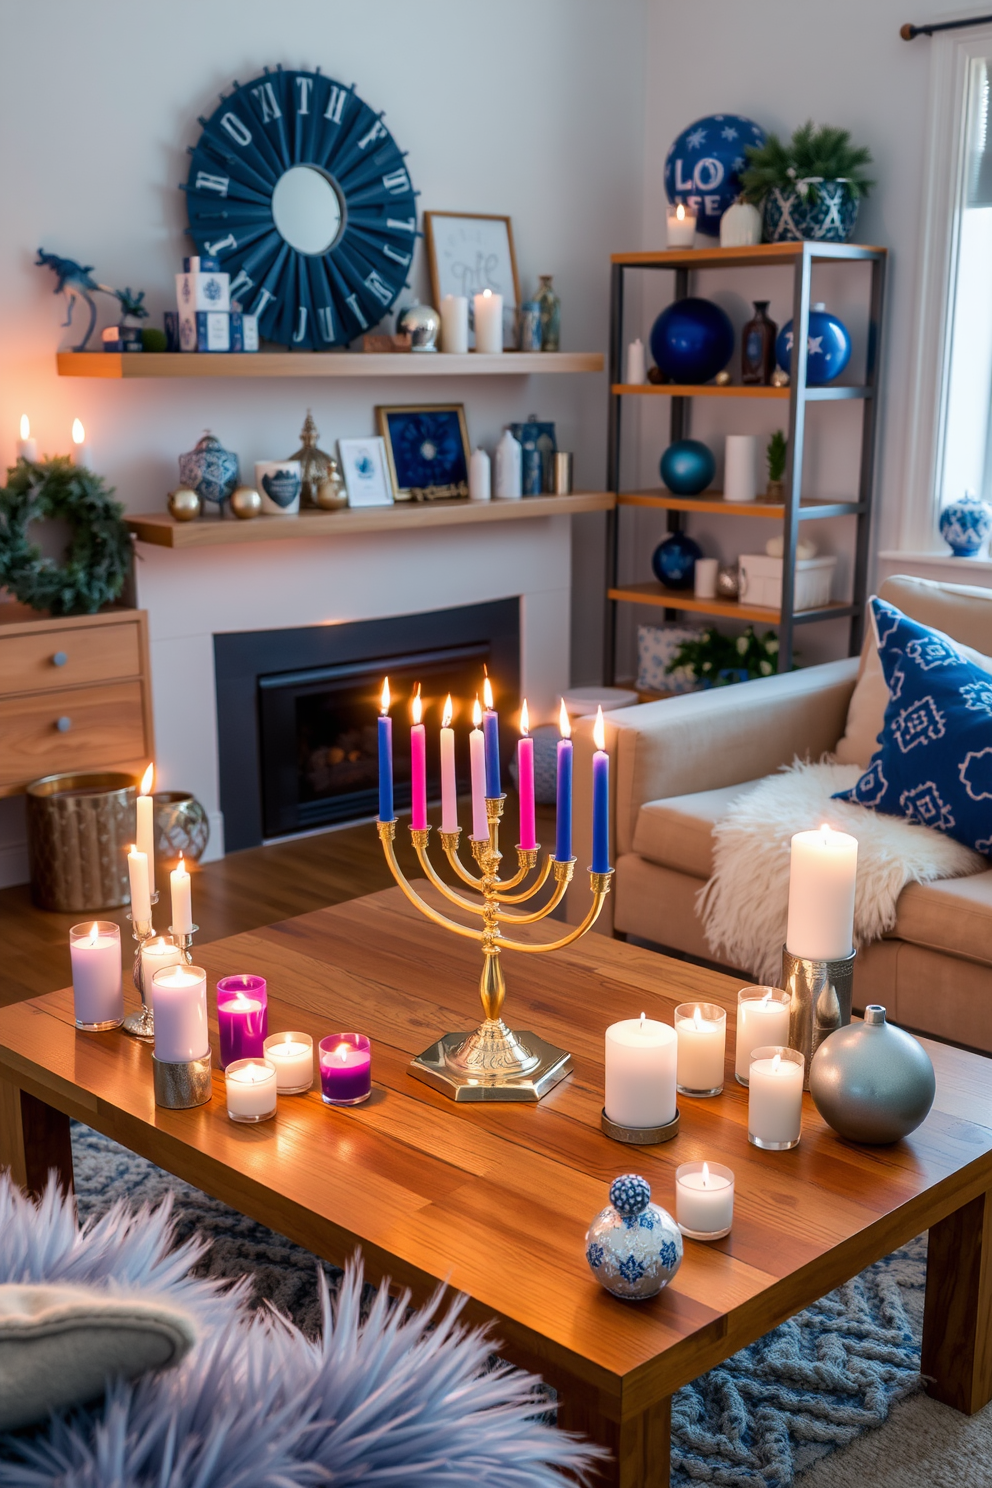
[496,1198]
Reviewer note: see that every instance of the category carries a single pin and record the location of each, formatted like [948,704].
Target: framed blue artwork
[427,450]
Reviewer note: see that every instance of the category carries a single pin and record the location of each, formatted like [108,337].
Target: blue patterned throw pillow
[934,760]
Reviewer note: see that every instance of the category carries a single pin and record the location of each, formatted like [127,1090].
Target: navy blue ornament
[828,347]
[692,340]
[300,190]
[687,467]
[210,470]
[702,167]
[674,561]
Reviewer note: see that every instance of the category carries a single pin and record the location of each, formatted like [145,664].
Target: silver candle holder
[820,995]
[141,1024]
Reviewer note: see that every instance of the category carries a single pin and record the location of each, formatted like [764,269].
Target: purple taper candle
[600,799]
[490,729]
[385,757]
[563,843]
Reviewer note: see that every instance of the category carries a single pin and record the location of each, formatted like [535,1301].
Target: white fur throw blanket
[744,906]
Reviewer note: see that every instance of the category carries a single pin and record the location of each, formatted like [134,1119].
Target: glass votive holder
[251,1090]
[345,1069]
[292,1055]
[97,977]
[242,1017]
[704,1200]
[702,1033]
[762,1019]
[157,952]
[681,223]
[775,1097]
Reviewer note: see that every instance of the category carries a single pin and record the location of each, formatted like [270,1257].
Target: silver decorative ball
[728,582]
[871,1082]
[633,1247]
[184,504]
[246,503]
[422,324]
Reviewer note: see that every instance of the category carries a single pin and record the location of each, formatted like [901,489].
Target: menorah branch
[387,836]
[599,883]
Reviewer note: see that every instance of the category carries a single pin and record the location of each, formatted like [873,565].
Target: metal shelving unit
[800,257]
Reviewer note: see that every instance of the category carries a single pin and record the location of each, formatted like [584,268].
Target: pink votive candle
[242,1017]
[418,768]
[97,986]
[345,1069]
[525,772]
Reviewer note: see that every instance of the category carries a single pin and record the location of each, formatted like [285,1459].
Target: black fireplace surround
[296,711]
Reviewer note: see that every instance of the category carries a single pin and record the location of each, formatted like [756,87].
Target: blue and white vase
[210,470]
[965,524]
[633,1247]
[791,216]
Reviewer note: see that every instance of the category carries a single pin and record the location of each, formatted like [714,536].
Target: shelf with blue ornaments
[130,364]
[729,609]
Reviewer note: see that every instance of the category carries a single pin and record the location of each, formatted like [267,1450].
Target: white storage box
[761,580]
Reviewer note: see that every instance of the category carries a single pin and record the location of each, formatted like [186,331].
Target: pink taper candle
[449,783]
[477,752]
[525,771]
[418,768]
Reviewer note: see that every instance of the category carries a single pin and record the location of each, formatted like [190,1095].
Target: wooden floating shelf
[162,530]
[758,255]
[731,609]
[714,504]
[129,364]
[733,390]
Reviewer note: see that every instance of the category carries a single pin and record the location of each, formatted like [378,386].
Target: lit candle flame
[524,718]
[706,1175]
[476,714]
[564,724]
[642,1023]
[134,847]
[25,426]
[697,1019]
[447,714]
[680,212]
[487,294]
[342,1052]
[78,432]
[487,693]
[599,730]
[94,933]
[384,702]
[767,997]
[181,866]
[417,707]
[146,781]
[240,1004]
[776,1064]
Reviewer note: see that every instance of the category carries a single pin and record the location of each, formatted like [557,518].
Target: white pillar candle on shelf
[775,1098]
[634,371]
[137,872]
[251,1086]
[292,1056]
[479,476]
[449,778]
[182,899]
[823,874]
[704,578]
[454,324]
[640,1072]
[156,954]
[762,1018]
[27,448]
[509,467]
[702,1033]
[681,223]
[145,824]
[97,982]
[740,458]
[82,455]
[488,313]
[179,1002]
[704,1200]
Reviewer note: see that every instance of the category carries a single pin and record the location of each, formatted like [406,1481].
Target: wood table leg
[957,1319]
[640,1446]
[34,1140]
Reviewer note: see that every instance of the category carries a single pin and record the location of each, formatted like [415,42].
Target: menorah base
[492,1064]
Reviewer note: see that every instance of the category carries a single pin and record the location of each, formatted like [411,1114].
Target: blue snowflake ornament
[630,1193]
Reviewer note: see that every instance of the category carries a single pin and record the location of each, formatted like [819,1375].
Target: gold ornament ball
[246,503]
[722,379]
[184,504]
[780,378]
[331,494]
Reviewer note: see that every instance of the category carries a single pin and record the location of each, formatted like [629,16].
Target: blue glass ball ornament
[687,467]
[965,524]
[692,340]
[674,561]
[703,164]
[828,347]
[210,470]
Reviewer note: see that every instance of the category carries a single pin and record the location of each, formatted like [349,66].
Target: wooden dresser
[75,694]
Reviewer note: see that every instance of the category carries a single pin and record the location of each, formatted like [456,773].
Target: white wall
[531,109]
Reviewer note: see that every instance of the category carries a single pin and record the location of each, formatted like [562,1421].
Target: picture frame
[468,252]
[427,449]
[366,472]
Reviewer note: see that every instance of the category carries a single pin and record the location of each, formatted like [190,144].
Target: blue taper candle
[490,729]
[563,844]
[385,758]
[600,799]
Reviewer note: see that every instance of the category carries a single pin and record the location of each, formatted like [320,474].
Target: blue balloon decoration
[692,340]
[674,561]
[828,347]
[703,165]
[687,467]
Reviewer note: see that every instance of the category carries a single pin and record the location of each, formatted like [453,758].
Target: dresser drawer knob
[59,659]
[63,724]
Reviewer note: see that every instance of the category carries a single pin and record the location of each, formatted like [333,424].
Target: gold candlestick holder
[493,1063]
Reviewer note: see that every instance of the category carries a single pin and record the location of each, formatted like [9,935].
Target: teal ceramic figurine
[75,282]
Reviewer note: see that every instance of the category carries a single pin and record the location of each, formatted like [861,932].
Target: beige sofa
[677,764]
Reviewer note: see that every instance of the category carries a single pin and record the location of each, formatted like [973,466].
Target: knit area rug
[759,1421]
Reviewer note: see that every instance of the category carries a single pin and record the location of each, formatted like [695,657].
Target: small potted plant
[718,660]
[809,187]
[775,458]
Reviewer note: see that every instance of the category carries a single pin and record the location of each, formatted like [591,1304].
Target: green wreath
[98,554]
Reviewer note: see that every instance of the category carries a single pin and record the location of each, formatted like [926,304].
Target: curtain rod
[909,32]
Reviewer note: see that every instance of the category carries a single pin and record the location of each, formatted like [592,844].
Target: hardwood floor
[238,893]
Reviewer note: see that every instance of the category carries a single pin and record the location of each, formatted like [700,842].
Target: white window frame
[945,160]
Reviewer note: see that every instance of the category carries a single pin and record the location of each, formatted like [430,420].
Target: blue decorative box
[244,331]
[199,291]
[205,331]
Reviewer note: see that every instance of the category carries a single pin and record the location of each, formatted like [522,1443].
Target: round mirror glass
[306,209]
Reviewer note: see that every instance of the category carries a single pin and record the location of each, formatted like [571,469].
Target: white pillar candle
[27,448]
[454,324]
[97,983]
[145,825]
[704,1200]
[488,312]
[640,1072]
[141,902]
[477,760]
[704,578]
[182,899]
[81,453]
[702,1034]
[251,1086]
[762,1018]
[775,1098]
[740,460]
[292,1056]
[824,869]
[179,1003]
[634,371]
[480,476]
[449,779]
[156,954]
[509,467]
[681,224]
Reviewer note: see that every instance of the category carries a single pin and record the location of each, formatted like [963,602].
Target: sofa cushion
[954,915]
[677,832]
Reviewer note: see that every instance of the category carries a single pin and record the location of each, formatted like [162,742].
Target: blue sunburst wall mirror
[300,190]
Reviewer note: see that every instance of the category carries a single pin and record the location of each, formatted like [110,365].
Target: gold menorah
[493,1063]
